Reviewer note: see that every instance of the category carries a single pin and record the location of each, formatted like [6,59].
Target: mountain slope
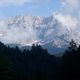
[26,30]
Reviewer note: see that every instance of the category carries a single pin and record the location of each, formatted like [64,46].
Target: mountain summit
[46,31]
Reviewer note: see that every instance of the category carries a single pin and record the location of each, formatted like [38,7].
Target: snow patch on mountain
[56,30]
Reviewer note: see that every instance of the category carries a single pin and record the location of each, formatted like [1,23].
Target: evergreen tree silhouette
[31,64]
[70,64]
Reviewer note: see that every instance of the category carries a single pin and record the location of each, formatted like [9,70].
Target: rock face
[46,31]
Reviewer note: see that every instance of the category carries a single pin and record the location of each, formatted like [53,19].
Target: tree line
[38,64]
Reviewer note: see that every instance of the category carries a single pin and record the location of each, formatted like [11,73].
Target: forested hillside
[38,64]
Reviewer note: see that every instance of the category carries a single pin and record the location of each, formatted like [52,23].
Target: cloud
[20,2]
[71,6]
[69,13]
[20,35]
[13,2]
[67,20]
[69,16]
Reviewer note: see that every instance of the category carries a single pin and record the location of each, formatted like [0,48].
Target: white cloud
[69,14]
[71,6]
[20,2]
[13,2]
[66,20]
[65,17]
[19,35]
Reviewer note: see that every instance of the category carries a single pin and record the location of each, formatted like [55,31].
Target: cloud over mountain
[69,14]
[56,30]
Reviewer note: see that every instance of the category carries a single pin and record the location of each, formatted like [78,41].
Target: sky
[66,12]
[9,8]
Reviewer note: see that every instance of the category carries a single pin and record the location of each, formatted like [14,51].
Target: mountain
[46,31]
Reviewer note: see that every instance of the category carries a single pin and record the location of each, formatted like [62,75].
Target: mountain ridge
[28,30]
